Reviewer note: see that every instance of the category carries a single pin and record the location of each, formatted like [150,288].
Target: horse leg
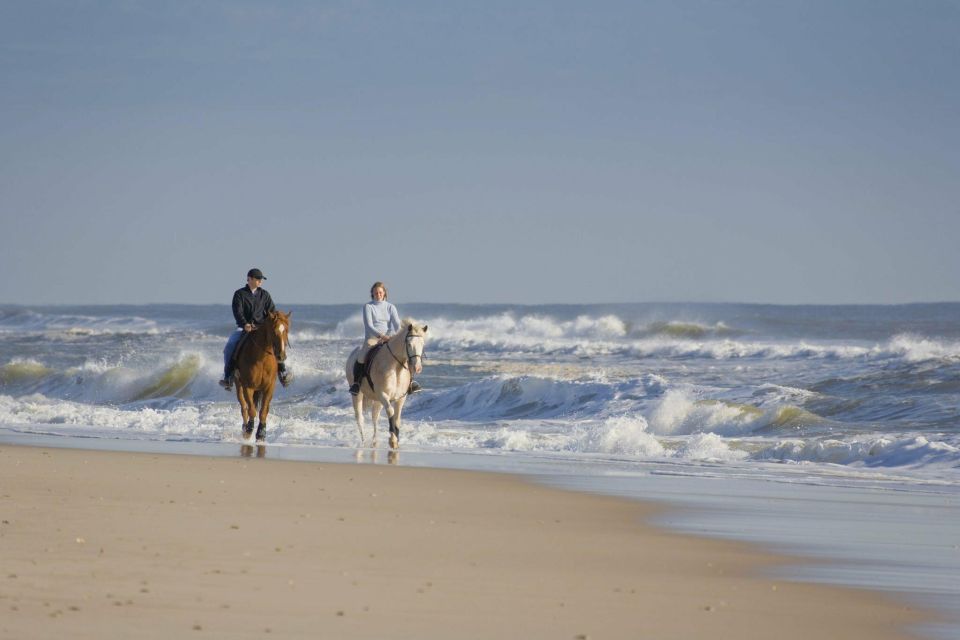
[245,398]
[398,409]
[375,418]
[358,413]
[391,417]
[263,399]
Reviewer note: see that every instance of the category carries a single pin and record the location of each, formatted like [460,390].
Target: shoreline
[148,544]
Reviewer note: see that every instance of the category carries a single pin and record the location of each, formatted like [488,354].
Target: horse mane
[417,329]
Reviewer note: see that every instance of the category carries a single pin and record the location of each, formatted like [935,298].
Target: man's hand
[248,327]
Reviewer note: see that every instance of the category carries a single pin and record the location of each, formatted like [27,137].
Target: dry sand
[127,545]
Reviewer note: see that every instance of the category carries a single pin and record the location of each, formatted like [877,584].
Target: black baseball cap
[256,273]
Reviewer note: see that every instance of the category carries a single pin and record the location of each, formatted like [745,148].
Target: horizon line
[512,304]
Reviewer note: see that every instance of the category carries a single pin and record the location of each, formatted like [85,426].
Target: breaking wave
[27,321]
[610,335]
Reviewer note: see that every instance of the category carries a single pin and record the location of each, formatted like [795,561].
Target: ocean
[833,431]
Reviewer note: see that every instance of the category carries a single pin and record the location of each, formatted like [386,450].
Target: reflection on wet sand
[393,456]
[246,451]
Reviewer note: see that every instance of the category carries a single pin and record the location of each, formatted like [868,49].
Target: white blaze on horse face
[417,343]
[282,330]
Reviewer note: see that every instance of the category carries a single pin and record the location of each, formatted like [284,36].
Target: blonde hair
[378,285]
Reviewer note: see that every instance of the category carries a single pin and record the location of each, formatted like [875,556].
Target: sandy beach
[119,545]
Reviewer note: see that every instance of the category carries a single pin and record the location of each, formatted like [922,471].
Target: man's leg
[228,350]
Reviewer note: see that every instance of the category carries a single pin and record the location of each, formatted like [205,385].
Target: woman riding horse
[386,382]
[380,321]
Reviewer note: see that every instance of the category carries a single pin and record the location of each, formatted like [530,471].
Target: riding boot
[227,382]
[357,378]
[414,386]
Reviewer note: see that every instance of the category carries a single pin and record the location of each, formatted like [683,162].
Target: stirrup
[414,387]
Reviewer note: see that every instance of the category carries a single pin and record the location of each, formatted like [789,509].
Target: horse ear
[424,328]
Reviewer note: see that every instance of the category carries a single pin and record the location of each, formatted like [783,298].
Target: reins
[268,339]
[402,364]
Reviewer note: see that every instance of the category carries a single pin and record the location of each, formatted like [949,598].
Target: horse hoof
[394,442]
[261,433]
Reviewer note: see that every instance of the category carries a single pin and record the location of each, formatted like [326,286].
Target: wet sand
[130,545]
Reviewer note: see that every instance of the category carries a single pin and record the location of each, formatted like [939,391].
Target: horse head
[414,340]
[279,323]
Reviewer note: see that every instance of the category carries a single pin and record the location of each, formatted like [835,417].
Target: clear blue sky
[785,152]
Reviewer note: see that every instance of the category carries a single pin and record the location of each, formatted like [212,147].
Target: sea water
[827,430]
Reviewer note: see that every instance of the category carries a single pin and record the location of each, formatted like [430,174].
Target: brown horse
[257,370]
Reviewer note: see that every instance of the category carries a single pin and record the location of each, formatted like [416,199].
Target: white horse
[389,370]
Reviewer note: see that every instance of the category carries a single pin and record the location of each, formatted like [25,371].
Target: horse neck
[262,337]
[398,346]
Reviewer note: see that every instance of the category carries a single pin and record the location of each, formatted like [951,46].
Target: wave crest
[866,451]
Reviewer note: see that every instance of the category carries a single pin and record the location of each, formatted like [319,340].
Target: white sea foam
[309,335]
[623,435]
[679,412]
[918,348]
[709,447]
[529,332]
[609,335]
[867,450]
[40,410]
[627,436]
[79,325]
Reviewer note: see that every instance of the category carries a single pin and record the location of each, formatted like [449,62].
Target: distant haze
[520,152]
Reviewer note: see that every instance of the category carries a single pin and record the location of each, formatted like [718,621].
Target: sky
[480,152]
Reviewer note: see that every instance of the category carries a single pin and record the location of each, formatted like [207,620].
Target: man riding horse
[251,306]
[380,322]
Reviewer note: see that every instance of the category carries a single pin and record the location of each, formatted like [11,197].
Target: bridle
[278,339]
[411,353]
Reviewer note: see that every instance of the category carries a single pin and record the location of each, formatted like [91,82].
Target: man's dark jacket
[251,308]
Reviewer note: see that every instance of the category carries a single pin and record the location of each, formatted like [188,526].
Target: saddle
[365,373]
